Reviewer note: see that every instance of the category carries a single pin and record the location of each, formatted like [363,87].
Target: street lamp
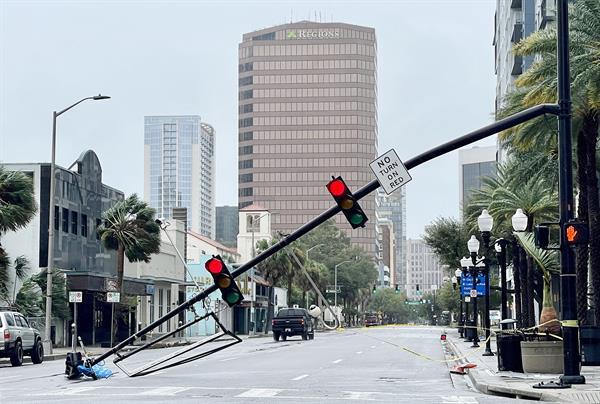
[313,247]
[485,222]
[461,321]
[335,280]
[48,326]
[519,223]
[253,283]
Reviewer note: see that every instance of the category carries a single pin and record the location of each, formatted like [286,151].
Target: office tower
[227,225]
[423,269]
[474,165]
[307,112]
[392,208]
[179,169]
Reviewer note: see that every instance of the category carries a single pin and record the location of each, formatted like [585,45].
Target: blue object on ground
[96,371]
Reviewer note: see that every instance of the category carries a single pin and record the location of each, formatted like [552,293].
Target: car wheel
[276,336]
[37,353]
[16,356]
[304,336]
[311,336]
[284,337]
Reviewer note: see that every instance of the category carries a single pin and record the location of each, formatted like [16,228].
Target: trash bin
[508,345]
[590,345]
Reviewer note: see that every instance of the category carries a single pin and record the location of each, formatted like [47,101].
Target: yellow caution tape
[570,323]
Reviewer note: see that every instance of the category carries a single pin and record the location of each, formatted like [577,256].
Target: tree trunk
[582,251]
[289,285]
[590,128]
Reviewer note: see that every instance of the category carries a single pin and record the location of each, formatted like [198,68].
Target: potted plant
[542,350]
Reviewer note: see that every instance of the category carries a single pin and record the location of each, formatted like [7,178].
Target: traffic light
[223,279]
[346,201]
[542,236]
[576,233]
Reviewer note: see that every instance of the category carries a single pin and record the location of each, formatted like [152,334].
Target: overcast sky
[435,80]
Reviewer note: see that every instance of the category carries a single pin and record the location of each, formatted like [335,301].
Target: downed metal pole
[438,151]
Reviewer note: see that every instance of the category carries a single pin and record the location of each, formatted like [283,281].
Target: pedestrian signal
[346,201]
[224,281]
[576,233]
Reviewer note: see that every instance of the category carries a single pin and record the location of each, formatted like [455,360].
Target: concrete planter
[542,356]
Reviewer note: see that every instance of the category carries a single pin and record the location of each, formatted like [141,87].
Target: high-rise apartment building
[307,111]
[392,208]
[515,20]
[227,225]
[179,169]
[474,165]
[423,269]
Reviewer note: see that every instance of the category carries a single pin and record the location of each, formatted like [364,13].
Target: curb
[493,389]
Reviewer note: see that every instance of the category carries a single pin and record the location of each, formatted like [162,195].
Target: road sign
[390,171]
[466,284]
[113,297]
[413,302]
[75,297]
[332,290]
[467,299]
[473,293]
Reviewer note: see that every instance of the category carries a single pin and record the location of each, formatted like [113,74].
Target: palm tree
[17,208]
[539,85]
[129,228]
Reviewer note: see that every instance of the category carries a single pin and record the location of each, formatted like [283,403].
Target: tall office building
[307,111]
[392,208]
[474,165]
[179,169]
[227,225]
[423,269]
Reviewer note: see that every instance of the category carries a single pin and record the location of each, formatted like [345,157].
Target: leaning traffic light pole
[562,110]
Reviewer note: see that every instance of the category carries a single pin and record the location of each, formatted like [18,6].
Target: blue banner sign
[466,284]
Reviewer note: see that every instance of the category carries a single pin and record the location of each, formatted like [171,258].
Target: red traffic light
[337,187]
[214,266]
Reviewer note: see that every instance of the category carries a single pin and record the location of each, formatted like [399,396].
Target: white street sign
[473,292]
[75,297]
[467,299]
[113,297]
[390,171]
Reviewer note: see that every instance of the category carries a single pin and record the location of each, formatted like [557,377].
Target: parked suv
[19,339]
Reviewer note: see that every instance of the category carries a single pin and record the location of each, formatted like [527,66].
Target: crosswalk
[190,392]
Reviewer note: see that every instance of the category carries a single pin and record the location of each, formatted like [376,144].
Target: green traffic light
[232,298]
[356,218]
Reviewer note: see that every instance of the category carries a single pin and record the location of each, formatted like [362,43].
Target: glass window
[9,319]
[160,307]
[56,217]
[84,225]
[74,222]
[65,220]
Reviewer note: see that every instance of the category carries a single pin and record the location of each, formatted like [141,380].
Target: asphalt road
[360,365]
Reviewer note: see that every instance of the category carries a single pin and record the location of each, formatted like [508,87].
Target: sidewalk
[487,379]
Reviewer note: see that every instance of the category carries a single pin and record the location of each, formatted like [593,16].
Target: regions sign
[313,34]
[390,171]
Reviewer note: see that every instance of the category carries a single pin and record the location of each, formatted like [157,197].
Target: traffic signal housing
[229,290]
[347,202]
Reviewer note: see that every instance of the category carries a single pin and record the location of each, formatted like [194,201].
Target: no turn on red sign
[75,297]
[390,171]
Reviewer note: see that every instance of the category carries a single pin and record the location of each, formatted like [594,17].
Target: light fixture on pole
[473,247]
[48,325]
[252,281]
[519,220]
[485,222]
[457,278]
[335,279]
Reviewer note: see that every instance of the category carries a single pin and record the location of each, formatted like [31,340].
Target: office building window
[65,220]
[84,225]
[56,217]
[74,222]
[160,308]
[168,308]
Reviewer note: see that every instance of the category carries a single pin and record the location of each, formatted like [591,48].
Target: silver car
[19,339]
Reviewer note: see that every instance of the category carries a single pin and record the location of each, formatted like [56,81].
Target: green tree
[539,85]
[129,228]
[391,304]
[448,238]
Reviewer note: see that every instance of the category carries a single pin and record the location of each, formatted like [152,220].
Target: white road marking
[373,346]
[228,359]
[337,361]
[164,391]
[260,393]
[300,377]
[358,395]
[359,352]
[489,372]
[68,392]
[459,399]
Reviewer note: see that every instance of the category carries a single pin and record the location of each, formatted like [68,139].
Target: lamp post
[308,292]
[465,263]
[500,248]
[473,246]
[48,325]
[253,292]
[485,222]
[519,223]
[457,280]
[335,280]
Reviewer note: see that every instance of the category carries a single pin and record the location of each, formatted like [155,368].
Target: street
[361,365]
